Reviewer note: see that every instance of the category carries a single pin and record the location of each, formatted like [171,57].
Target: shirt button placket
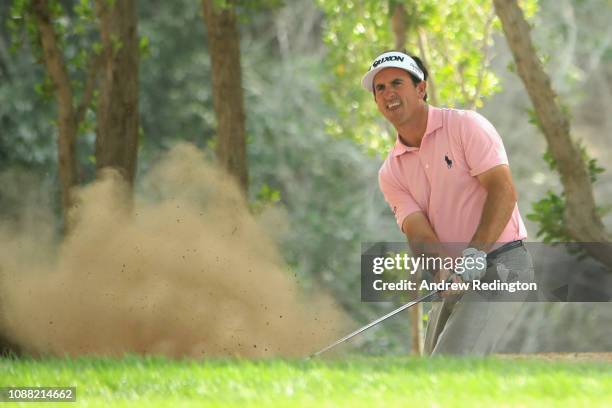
[425,167]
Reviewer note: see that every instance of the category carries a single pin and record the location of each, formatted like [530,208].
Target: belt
[504,248]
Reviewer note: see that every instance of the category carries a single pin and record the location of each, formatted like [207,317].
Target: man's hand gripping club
[473,267]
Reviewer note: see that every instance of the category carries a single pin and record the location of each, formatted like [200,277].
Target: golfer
[447,180]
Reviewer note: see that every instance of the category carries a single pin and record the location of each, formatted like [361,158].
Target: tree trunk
[117,114]
[398,25]
[416,320]
[399,28]
[581,219]
[224,49]
[67,123]
[432,94]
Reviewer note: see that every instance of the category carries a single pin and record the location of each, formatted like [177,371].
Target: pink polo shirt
[439,178]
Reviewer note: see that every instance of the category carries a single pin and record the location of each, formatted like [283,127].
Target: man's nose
[388,92]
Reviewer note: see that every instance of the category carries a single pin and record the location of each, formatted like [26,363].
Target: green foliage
[453,36]
[27,134]
[245,8]
[18,23]
[75,30]
[550,161]
[143,46]
[84,10]
[355,32]
[44,89]
[265,197]
[534,119]
[548,212]
[116,43]
[593,167]
[78,40]
[175,94]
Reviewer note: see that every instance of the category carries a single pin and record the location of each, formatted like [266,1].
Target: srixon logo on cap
[389,58]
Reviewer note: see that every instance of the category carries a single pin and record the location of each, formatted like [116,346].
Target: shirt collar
[434,122]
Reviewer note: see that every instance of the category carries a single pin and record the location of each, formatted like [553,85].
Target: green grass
[355,382]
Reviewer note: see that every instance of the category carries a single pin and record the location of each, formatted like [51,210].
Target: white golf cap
[392,59]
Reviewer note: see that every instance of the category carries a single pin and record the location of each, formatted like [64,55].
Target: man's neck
[411,133]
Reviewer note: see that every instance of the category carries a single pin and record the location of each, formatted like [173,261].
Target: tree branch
[56,68]
[424,50]
[581,217]
[95,60]
[486,59]
[457,73]
[52,56]
[4,71]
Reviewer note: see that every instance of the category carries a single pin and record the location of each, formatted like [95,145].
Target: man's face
[396,96]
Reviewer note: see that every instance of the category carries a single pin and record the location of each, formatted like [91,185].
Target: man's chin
[395,118]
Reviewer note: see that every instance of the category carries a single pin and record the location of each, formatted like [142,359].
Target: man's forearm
[496,213]
[421,236]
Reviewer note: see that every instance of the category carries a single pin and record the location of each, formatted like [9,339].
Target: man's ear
[422,89]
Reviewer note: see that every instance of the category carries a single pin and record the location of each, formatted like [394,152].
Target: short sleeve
[399,198]
[482,145]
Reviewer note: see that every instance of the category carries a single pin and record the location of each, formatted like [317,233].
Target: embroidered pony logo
[449,162]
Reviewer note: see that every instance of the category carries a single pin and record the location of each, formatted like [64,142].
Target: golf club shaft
[375,322]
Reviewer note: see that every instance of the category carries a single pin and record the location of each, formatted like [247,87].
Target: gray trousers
[476,323]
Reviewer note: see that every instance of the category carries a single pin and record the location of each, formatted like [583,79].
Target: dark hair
[415,80]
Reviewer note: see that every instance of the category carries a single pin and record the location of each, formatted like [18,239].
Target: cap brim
[368,79]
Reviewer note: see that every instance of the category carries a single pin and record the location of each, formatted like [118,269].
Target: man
[447,180]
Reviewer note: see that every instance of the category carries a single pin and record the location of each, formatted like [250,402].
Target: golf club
[380,319]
